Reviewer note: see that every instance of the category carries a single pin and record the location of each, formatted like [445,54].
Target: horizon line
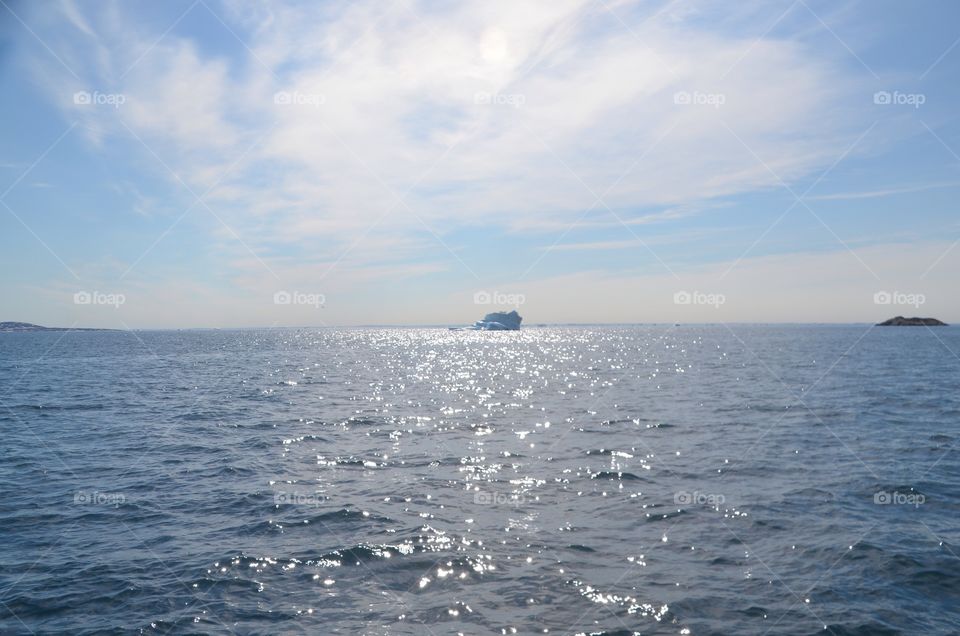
[448,326]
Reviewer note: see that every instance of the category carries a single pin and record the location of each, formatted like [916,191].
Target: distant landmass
[900,321]
[26,326]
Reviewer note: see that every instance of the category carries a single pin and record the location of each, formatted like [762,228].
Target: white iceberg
[499,321]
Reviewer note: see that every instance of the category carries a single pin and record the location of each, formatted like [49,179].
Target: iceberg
[497,321]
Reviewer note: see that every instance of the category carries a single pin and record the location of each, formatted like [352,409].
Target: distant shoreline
[26,327]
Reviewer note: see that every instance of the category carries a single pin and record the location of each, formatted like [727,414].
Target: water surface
[608,480]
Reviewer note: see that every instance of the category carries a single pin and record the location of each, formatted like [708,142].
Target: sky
[216,163]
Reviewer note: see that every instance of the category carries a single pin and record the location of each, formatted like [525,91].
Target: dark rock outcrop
[900,321]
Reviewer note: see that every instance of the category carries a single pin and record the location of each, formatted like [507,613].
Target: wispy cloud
[534,111]
[884,192]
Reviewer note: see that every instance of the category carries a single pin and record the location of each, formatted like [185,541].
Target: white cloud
[398,89]
[178,98]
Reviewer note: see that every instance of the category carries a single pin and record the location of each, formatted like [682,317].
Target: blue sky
[788,160]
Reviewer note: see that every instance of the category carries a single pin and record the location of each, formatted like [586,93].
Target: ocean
[649,479]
